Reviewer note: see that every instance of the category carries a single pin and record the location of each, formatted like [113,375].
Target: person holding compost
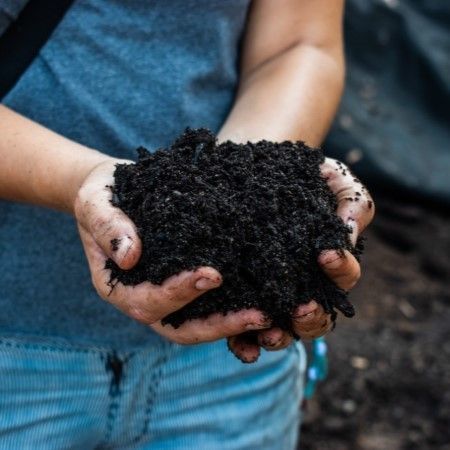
[81,372]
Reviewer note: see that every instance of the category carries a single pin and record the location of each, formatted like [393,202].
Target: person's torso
[114,75]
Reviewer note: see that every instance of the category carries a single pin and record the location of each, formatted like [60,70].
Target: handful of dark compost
[260,213]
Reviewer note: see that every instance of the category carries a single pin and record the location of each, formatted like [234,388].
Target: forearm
[291,97]
[39,166]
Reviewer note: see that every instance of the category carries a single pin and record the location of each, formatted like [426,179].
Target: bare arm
[292,72]
[39,166]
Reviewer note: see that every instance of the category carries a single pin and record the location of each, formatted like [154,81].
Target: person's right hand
[106,232]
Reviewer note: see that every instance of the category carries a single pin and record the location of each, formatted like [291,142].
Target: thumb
[118,239]
[111,228]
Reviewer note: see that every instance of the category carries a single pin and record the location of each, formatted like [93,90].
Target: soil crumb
[259,213]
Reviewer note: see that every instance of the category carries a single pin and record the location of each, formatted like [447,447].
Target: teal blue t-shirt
[113,76]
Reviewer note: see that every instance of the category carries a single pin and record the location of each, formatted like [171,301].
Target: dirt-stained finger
[122,297]
[176,292]
[149,303]
[146,302]
[311,324]
[306,308]
[274,339]
[110,227]
[245,347]
[324,327]
[214,327]
[186,286]
[355,204]
[341,267]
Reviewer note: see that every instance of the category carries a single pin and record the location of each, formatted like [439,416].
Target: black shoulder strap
[23,39]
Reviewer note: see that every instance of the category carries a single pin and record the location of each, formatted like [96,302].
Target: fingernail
[256,326]
[334,262]
[203,284]
[307,308]
[123,245]
[304,318]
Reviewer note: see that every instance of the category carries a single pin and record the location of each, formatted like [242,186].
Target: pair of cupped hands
[106,232]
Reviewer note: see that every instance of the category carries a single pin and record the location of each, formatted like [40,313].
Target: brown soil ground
[389,381]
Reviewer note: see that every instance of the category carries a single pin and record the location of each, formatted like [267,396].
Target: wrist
[89,160]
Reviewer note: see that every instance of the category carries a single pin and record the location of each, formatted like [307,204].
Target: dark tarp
[393,123]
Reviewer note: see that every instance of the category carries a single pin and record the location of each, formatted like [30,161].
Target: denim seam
[50,348]
[151,396]
[113,408]
[111,419]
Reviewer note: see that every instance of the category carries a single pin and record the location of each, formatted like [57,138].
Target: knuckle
[328,173]
[329,164]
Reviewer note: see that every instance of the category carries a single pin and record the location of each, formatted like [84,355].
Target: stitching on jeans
[111,418]
[151,396]
[113,407]
[49,348]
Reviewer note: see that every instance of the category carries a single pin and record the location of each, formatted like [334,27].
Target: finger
[147,302]
[312,324]
[325,327]
[244,347]
[341,267]
[274,339]
[355,204]
[180,289]
[216,326]
[115,293]
[112,230]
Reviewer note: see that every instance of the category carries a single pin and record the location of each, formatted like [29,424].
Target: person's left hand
[356,209]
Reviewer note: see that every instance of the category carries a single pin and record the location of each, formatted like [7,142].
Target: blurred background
[389,381]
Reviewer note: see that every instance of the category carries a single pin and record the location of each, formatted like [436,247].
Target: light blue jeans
[55,395]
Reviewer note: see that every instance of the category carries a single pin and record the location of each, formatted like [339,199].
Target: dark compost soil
[259,213]
[389,381]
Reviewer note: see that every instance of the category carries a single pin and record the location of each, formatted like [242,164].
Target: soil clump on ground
[259,213]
